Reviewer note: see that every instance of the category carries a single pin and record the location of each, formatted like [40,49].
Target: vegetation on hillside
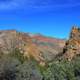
[15,67]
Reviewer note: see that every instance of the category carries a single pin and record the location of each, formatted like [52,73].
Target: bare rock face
[41,48]
[8,40]
[72,47]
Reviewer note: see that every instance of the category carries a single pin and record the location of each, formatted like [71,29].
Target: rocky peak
[72,47]
[75,33]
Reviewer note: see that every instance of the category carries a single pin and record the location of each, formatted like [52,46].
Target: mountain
[41,48]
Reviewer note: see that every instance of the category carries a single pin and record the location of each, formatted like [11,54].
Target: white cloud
[25,4]
[11,4]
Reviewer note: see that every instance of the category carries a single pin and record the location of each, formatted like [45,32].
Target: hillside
[40,47]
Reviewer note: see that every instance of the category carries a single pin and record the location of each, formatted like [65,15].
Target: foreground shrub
[11,68]
[28,71]
[15,67]
[8,68]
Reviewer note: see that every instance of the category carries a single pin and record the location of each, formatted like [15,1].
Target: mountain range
[42,48]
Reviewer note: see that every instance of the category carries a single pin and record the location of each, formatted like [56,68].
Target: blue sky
[48,17]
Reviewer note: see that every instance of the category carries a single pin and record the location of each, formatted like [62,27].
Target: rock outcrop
[72,47]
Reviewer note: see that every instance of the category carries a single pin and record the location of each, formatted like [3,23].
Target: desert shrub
[8,68]
[11,68]
[28,71]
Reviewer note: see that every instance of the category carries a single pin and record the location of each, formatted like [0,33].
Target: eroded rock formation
[72,47]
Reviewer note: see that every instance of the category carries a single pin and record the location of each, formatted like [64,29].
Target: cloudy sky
[48,17]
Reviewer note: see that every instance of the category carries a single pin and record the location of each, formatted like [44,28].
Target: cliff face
[38,46]
[72,47]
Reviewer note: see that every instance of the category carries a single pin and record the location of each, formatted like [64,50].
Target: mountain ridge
[42,48]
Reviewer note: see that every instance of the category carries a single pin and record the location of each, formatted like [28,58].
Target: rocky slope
[49,47]
[42,48]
